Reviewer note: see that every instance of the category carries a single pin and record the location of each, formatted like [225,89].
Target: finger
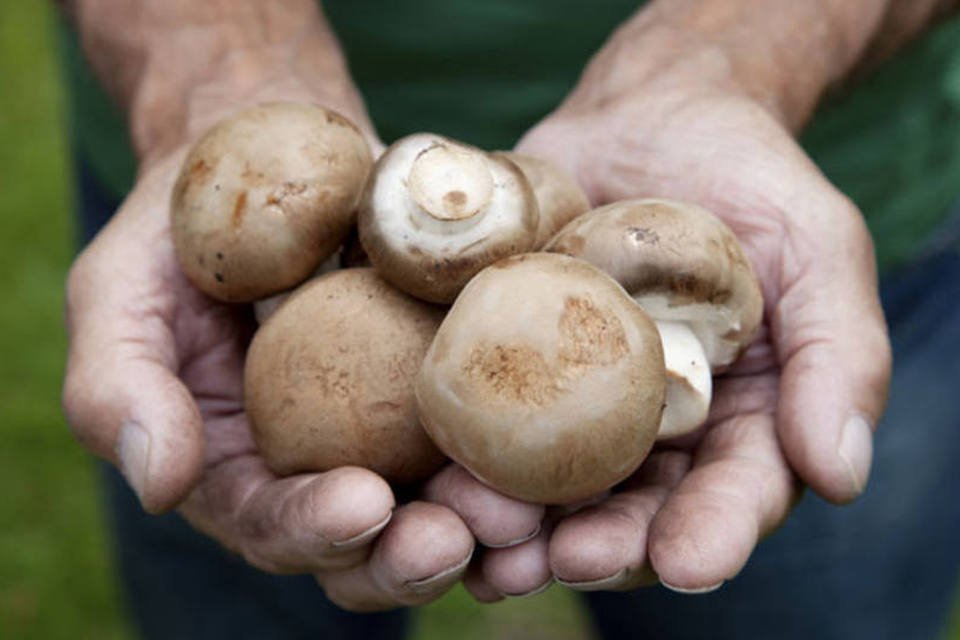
[421,554]
[605,546]
[835,353]
[301,524]
[495,519]
[738,489]
[518,571]
[476,585]
[120,395]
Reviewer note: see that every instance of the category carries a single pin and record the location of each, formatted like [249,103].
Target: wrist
[177,67]
[782,54]
[161,126]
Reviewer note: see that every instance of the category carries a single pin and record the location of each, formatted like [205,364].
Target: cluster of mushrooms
[446,302]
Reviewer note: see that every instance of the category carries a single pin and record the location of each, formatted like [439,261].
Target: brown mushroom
[545,380]
[436,211]
[559,198]
[329,379]
[264,197]
[685,267]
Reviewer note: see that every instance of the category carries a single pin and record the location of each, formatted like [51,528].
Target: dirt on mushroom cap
[546,381]
[264,197]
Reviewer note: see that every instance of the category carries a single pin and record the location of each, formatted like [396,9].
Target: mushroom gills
[708,322]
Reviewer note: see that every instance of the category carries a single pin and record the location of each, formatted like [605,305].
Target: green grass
[56,576]
[56,573]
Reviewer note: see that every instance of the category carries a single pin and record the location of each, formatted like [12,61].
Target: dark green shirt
[484,72]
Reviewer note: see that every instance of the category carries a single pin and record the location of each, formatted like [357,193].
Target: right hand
[154,384]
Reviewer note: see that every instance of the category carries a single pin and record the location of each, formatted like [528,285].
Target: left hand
[800,404]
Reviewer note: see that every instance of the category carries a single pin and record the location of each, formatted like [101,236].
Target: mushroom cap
[329,379]
[264,197]
[680,262]
[559,198]
[436,211]
[545,380]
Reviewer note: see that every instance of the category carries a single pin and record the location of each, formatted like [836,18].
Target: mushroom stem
[709,322]
[688,380]
[450,183]
[435,212]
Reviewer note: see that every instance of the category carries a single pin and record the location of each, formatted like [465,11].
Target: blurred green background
[56,575]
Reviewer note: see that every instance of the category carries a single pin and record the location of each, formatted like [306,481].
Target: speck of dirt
[239,208]
[591,336]
[455,199]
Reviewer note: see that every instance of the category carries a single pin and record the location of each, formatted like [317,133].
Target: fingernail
[133,454]
[511,543]
[429,584]
[363,537]
[694,590]
[596,585]
[856,451]
[533,592]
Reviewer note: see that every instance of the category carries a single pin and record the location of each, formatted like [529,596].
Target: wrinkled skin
[797,409]
[154,384]
[154,379]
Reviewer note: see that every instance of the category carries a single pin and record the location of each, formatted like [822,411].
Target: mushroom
[264,197]
[685,267]
[559,198]
[435,212]
[545,380]
[329,379]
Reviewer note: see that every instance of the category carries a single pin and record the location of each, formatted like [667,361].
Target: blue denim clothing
[884,567]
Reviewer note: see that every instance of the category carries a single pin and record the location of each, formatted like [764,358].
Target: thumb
[835,353]
[120,395]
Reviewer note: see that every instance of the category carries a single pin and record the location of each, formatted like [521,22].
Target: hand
[154,384]
[800,404]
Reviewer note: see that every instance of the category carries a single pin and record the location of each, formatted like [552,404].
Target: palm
[202,340]
[699,504]
[210,340]
[155,383]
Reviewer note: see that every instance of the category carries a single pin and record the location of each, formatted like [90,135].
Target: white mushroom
[435,212]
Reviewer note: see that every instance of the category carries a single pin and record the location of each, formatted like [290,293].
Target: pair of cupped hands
[154,382]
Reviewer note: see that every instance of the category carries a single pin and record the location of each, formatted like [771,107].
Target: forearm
[178,66]
[783,53]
